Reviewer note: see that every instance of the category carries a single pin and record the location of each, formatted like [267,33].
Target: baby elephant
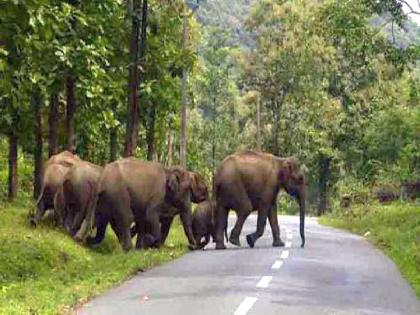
[204,223]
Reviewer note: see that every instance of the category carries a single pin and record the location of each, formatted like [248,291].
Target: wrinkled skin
[55,169]
[199,193]
[203,223]
[76,196]
[248,181]
[131,190]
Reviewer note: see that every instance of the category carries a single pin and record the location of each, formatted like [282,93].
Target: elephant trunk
[302,206]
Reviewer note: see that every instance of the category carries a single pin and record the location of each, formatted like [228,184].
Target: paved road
[337,273]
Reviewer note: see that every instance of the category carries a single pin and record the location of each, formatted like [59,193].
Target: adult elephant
[199,193]
[55,169]
[133,190]
[247,181]
[76,195]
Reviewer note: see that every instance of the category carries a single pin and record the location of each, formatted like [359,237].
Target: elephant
[199,193]
[250,180]
[55,169]
[75,196]
[133,190]
[203,223]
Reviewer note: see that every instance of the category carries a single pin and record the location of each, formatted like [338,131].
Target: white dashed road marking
[264,282]
[277,264]
[245,306]
[284,254]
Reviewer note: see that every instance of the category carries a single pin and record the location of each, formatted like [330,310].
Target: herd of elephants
[141,198]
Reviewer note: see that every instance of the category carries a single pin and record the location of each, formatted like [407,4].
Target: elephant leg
[221,218]
[88,207]
[198,238]
[122,230]
[40,211]
[186,220]
[79,221]
[133,230]
[165,225]
[59,207]
[68,220]
[101,224]
[261,222]
[206,240]
[152,237]
[274,224]
[236,231]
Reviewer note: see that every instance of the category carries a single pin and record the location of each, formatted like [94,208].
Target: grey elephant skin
[248,181]
[199,193]
[204,223]
[76,196]
[132,190]
[54,172]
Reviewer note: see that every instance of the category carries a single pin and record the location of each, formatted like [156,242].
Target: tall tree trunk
[52,125]
[169,155]
[324,174]
[137,47]
[150,134]
[276,123]
[13,152]
[258,123]
[13,166]
[70,110]
[113,143]
[36,101]
[183,140]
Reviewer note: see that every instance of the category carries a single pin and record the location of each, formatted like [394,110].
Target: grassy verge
[43,271]
[395,228]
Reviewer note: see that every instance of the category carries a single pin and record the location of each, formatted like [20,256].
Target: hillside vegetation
[43,271]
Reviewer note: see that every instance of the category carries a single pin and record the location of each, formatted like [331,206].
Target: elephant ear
[198,187]
[193,181]
[178,181]
[172,183]
[285,171]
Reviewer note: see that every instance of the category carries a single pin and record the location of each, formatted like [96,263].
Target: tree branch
[412,11]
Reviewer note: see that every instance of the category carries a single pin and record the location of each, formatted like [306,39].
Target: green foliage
[228,15]
[43,271]
[395,228]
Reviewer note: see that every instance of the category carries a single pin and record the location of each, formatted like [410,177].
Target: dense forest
[333,83]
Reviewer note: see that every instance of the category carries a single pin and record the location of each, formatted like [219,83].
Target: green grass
[395,228]
[43,271]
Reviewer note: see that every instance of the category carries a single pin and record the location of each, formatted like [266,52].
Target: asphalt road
[336,273]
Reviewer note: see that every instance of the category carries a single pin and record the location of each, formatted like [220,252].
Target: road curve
[336,273]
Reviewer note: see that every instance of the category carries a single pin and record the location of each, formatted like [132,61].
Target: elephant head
[178,187]
[199,192]
[292,178]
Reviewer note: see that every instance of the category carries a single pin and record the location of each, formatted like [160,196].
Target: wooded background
[336,83]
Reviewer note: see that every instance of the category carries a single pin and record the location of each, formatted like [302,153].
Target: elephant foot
[194,247]
[148,241]
[78,238]
[33,222]
[220,246]
[91,241]
[234,240]
[278,243]
[250,240]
